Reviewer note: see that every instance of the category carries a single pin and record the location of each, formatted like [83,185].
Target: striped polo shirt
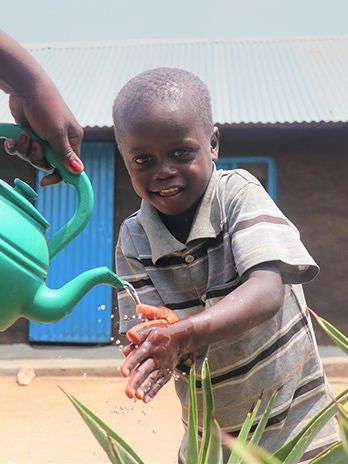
[237,226]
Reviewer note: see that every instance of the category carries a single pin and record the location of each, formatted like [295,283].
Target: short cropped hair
[171,84]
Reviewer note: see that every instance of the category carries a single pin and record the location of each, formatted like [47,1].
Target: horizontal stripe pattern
[259,219]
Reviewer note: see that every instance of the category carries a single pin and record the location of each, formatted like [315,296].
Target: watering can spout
[51,305]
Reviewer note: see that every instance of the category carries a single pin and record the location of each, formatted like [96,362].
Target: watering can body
[25,254]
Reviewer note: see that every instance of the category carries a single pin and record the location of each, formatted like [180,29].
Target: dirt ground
[39,425]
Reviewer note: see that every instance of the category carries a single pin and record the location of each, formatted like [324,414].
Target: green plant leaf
[245,430]
[292,451]
[336,336]
[208,411]
[114,453]
[334,454]
[249,453]
[248,423]
[117,449]
[342,417]
[256,436]
[192,431]
[214,450]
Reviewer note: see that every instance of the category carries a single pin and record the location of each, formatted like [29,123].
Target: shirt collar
[206,224]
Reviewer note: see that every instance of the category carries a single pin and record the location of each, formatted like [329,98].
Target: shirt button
[189,259]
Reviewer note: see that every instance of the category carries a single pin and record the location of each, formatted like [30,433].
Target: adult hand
[35,102]
[53,123]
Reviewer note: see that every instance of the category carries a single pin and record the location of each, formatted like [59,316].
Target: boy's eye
[142,159]
[181,153]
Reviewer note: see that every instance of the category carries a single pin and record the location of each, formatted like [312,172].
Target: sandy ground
[39,425]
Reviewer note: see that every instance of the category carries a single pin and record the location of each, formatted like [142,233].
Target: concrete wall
[312,165]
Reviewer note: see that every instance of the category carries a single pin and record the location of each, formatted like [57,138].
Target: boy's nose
[164,170]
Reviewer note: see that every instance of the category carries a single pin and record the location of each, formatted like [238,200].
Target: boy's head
[165,132]
[169,85]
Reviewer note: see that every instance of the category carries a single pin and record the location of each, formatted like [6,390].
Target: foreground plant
[244,448]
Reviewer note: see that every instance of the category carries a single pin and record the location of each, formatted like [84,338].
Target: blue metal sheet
[90,321]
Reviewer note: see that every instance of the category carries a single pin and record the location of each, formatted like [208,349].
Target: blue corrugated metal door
[90,321]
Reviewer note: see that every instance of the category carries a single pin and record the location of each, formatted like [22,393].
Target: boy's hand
[154,353]
[156,316]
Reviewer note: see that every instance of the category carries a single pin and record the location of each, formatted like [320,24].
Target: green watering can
[25,253]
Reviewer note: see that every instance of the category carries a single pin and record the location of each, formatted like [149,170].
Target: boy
[212,246]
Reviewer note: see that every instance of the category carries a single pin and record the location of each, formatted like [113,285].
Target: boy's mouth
[168,191]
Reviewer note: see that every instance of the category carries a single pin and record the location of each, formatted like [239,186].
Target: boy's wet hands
[156,349]
[150,364]
[155,315]
[146,381]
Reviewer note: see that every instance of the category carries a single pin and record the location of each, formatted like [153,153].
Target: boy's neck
[179,225]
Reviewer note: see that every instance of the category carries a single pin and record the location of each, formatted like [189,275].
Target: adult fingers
[67,149]
[28,150]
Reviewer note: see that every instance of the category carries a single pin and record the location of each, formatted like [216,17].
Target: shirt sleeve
[261,233]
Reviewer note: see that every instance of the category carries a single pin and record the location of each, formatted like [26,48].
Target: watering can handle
[80,181]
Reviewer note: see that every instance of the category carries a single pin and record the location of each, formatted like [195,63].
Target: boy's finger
[140,374]
[138,333]
[155,388]
[134,358]
[156,312]
[128,349]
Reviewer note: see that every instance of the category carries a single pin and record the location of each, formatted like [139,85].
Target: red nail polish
[76,166]
[23,137]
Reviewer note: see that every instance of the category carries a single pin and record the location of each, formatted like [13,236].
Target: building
[282,108]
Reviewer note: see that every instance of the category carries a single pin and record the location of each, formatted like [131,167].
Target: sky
[32,21]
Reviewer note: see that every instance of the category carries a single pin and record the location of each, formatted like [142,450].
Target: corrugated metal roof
[267,81]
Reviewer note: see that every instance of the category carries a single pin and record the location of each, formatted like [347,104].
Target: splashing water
[132,293]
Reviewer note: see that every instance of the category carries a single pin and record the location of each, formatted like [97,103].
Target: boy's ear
[214,144]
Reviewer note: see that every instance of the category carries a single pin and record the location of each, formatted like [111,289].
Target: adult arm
[35,102]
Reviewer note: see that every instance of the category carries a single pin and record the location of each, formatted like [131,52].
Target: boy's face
[168,155]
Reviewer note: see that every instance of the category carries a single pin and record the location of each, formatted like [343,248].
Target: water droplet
[173,374]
